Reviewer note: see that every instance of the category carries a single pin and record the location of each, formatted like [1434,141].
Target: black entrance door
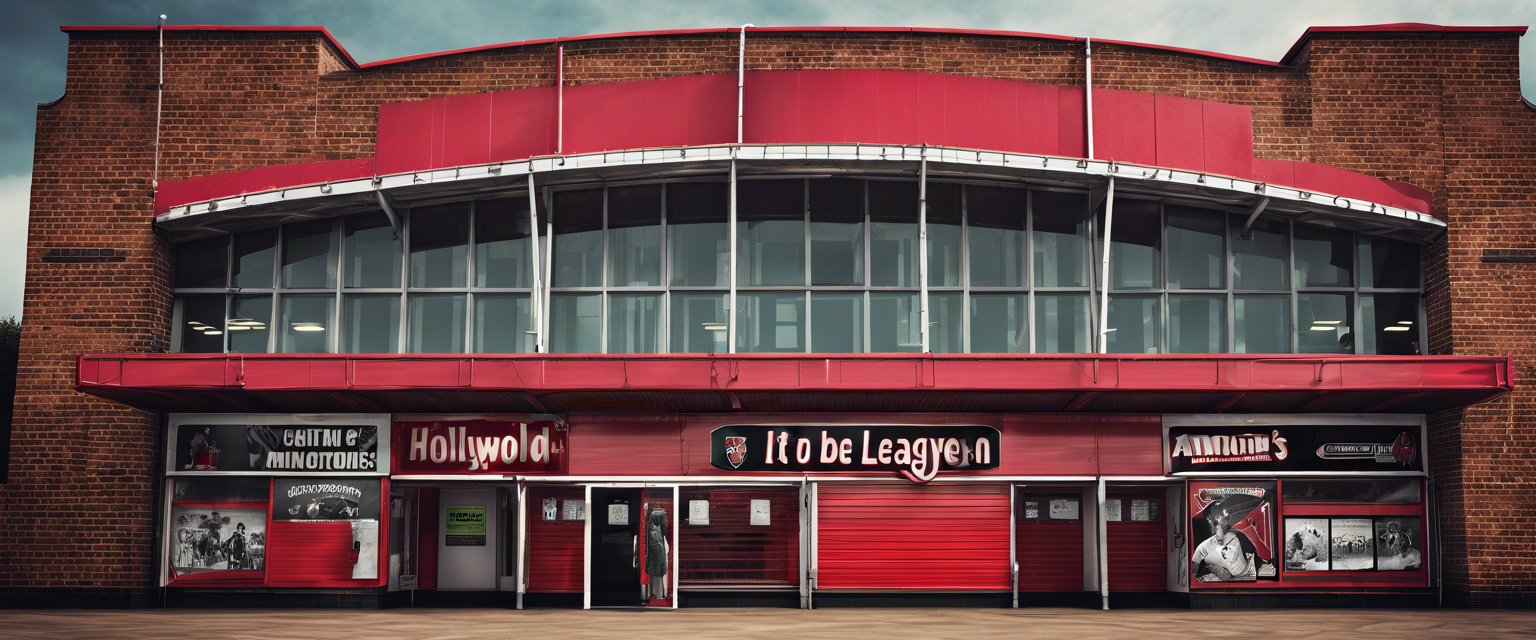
[615,527]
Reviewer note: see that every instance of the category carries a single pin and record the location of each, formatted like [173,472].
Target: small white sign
[365,535]
[618,514]
[760,513]
[1141,511]
[551,509]
[573,510]
[698,512]
[1112,510]
[1063,509]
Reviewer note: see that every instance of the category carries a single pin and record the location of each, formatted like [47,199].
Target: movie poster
[1232,530]
[218,539]
[1306,544]
[1352,548]
[1399,544]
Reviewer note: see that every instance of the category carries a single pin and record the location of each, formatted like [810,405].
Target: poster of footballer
[1232,530]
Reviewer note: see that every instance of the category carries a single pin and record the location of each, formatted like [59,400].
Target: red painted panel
[1050,553]
[1122,126]
[868,374]
[426,538]
[187,373]
[1382,375]
[766,374]
[1072,122]
[314,554]
[683,111]
[905,536]
[730,550]
[405,141]
[668,373]
[467,129]
[1048,448]
[1228,139]
[555,547]
[1147,374]
[1131,448]
[584,374]
[1180,132]
[523,123]
[398,373]
[277,374]
[626,448]
[1137,550]
[1280,172]
[223,185]
[1007,375]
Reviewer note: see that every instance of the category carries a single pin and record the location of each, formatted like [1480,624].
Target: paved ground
[747,624]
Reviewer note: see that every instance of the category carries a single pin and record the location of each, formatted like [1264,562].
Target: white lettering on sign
[455,445]
[1245,447]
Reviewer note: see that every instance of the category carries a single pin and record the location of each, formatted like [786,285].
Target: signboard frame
[380,421]
[1268,422]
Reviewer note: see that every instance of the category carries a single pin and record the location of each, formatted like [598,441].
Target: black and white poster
[206,539]
[1353,547]
[1399,544]
[1232,526]
[227,448]
[1282,448]
[1306,544]
[325,499]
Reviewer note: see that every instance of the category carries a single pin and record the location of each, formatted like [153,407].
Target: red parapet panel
[405,373]
[1228,139]
[1180,125]
[225,185]
[1276,172]
[183,373]
[523,124]
[467,129]
[1073,132]
[682,111]
[405,136]
[1123,126]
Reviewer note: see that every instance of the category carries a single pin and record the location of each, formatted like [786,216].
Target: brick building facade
[1438,108]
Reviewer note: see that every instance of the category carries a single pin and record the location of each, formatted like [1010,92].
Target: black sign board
[919,452]
[328,448]
[1281,448]
[324,499]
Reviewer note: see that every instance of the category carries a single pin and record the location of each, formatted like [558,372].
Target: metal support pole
[1109,219]
[522,541]
[154,183]
[730,324]
[534,298]
[922,244]
[1103,547]
[559,100]
[741,82]
[389,212]
[1088,88]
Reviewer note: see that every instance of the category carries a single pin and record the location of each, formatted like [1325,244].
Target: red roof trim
[1284,61]
[1397,27]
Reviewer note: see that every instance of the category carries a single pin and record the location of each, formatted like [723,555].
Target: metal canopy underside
[798,383]
[1235,195]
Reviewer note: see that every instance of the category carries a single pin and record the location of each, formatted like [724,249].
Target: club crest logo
[736,451]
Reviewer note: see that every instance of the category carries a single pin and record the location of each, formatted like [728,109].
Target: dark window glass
[1259,263]
[576,323]
[307,323]
[1388,264]
[1134,324]
[578,222]
[697,231]
[1390,324]
[634,323]
[502,323]
[503,252]
[372,252]
[202,324]
[634,236]
[437,323]
[1263,324]
[1324,257]
[440,246]
[996,235]
[770,322]
[1061,323]
[309,255]
[1197,323]
[837,322]
[370,323]
[255,254]
[946,322]
[1136,245]
[837,232]
[1325,323]
[1197,258]
[254,312]
[893,214]
[771,227]
[202,263]
[1061,239]
[698,323]
[895,323]
[1364,491]
[1000,323]
[943,236]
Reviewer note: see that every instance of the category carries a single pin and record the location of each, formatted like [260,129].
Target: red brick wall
[1442,111]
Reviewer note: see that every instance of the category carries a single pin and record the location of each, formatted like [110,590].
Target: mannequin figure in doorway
[657,551]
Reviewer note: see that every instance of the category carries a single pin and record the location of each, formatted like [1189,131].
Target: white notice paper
[573,510]
[551,509]
[698,512]
[366,532]
[618,514]
[1112,510]
[760,513]
[1063,509]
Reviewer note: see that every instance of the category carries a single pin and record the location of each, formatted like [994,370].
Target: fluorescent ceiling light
[236,327]
[1327,321]
[308,327]
[1322,328]
[214,332]
[1396,328]
[713,326]
[1405,322]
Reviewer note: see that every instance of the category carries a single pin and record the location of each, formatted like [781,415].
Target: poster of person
[218,539]
[1353,547]
[1306,544]
[1232,527]
[1399,545]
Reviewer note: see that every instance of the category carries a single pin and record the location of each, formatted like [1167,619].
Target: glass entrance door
[615,541]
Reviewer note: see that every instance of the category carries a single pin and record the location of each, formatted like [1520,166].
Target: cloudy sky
[34,50]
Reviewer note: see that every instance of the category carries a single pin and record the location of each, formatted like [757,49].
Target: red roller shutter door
[905,536]
[555,547]
[1137,560]
[1050,547]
